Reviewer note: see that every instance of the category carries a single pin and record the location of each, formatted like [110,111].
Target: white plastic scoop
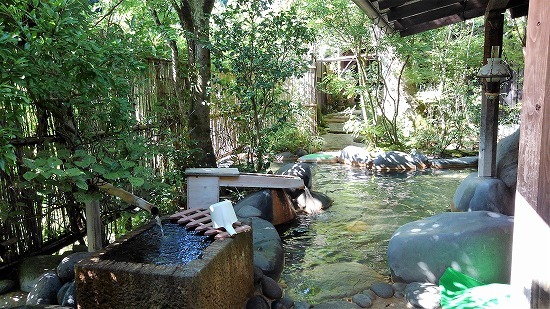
[223,215]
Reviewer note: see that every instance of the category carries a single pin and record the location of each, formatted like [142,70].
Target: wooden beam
[519,11]
[455,10]
[429,25]
[495,5]
[386,4]
[262,181]
[531,249]
[494,29]
[416,8]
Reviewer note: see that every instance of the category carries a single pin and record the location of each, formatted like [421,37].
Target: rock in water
[476,243]
[483,193]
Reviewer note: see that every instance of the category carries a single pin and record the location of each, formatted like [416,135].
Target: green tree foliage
[66,99]
[375,72]
[441,79]
[257,48]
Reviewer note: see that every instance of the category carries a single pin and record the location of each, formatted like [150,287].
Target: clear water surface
[173,245]
[367,209]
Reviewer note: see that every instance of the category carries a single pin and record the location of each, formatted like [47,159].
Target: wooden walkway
[199,220]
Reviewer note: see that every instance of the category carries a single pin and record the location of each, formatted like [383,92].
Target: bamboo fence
[36,224]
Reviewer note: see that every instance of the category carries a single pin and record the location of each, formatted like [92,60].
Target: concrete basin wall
[222,278]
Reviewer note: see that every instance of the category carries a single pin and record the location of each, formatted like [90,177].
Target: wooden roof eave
[415,16]
[373,13]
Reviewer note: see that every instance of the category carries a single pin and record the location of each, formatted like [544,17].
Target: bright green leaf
[29,163]
[96,168]
[126,164]
[10,156]
[40,162]
[136,181]
[30,176]
[73,172]
[54,162]
[111,176]
[81,184]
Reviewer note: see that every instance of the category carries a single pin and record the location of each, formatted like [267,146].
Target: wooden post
[494,22]
[321,97]
[531,249]
[94,226]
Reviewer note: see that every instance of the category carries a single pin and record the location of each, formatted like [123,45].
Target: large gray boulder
[268,248]
[477,244]
[32,269]
[261,200]
[65,269]
[45,290]
[483,193]
[357,156]
[396,161]
[507,160]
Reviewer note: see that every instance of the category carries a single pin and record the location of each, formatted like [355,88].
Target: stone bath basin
[221,278]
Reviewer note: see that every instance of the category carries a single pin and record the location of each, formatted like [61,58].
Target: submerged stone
[339,280]
[362,300]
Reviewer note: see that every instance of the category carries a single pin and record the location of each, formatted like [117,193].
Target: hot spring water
[367,209]
[162,244]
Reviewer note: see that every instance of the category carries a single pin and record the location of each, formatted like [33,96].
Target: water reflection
[368,207]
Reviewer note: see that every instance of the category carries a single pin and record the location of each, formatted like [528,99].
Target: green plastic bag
[459,291]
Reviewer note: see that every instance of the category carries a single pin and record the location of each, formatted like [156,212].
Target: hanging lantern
[495,71]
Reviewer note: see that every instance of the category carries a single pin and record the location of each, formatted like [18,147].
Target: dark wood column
[494,22]
[531,249]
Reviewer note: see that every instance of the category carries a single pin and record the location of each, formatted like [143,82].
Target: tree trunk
[194,18]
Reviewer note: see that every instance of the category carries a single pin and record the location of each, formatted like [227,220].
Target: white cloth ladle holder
[223,215]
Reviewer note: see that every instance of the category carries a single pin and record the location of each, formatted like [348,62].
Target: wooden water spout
[93,215]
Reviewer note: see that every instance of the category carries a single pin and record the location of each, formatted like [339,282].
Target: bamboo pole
[126,196]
